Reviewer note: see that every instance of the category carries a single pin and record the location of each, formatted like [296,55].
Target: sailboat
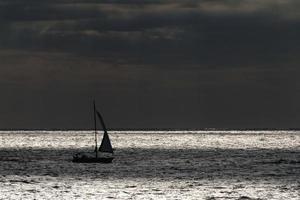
[103,154]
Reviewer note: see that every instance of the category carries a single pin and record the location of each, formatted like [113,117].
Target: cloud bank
[172,63]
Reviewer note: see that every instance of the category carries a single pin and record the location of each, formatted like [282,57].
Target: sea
[152,164]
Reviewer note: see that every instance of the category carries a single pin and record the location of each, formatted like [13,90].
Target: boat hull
[92,160]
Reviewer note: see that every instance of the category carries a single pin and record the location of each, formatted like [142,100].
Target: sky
[150,63]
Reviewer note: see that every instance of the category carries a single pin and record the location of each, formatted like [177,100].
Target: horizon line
[163,129]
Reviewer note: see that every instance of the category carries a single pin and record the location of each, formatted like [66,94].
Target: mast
[95,124]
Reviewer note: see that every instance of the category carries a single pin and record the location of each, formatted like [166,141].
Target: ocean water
[152,165]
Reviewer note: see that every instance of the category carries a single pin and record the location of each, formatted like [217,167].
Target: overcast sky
[150,63]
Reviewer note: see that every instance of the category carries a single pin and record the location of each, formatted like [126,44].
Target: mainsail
[105,144]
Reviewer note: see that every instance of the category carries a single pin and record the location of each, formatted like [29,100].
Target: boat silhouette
[103,154]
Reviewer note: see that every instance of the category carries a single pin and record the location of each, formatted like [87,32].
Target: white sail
[105,144]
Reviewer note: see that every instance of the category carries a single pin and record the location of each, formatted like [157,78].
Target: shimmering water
[152,164]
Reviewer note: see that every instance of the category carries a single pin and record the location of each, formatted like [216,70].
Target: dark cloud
[154,63]
[113,26]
